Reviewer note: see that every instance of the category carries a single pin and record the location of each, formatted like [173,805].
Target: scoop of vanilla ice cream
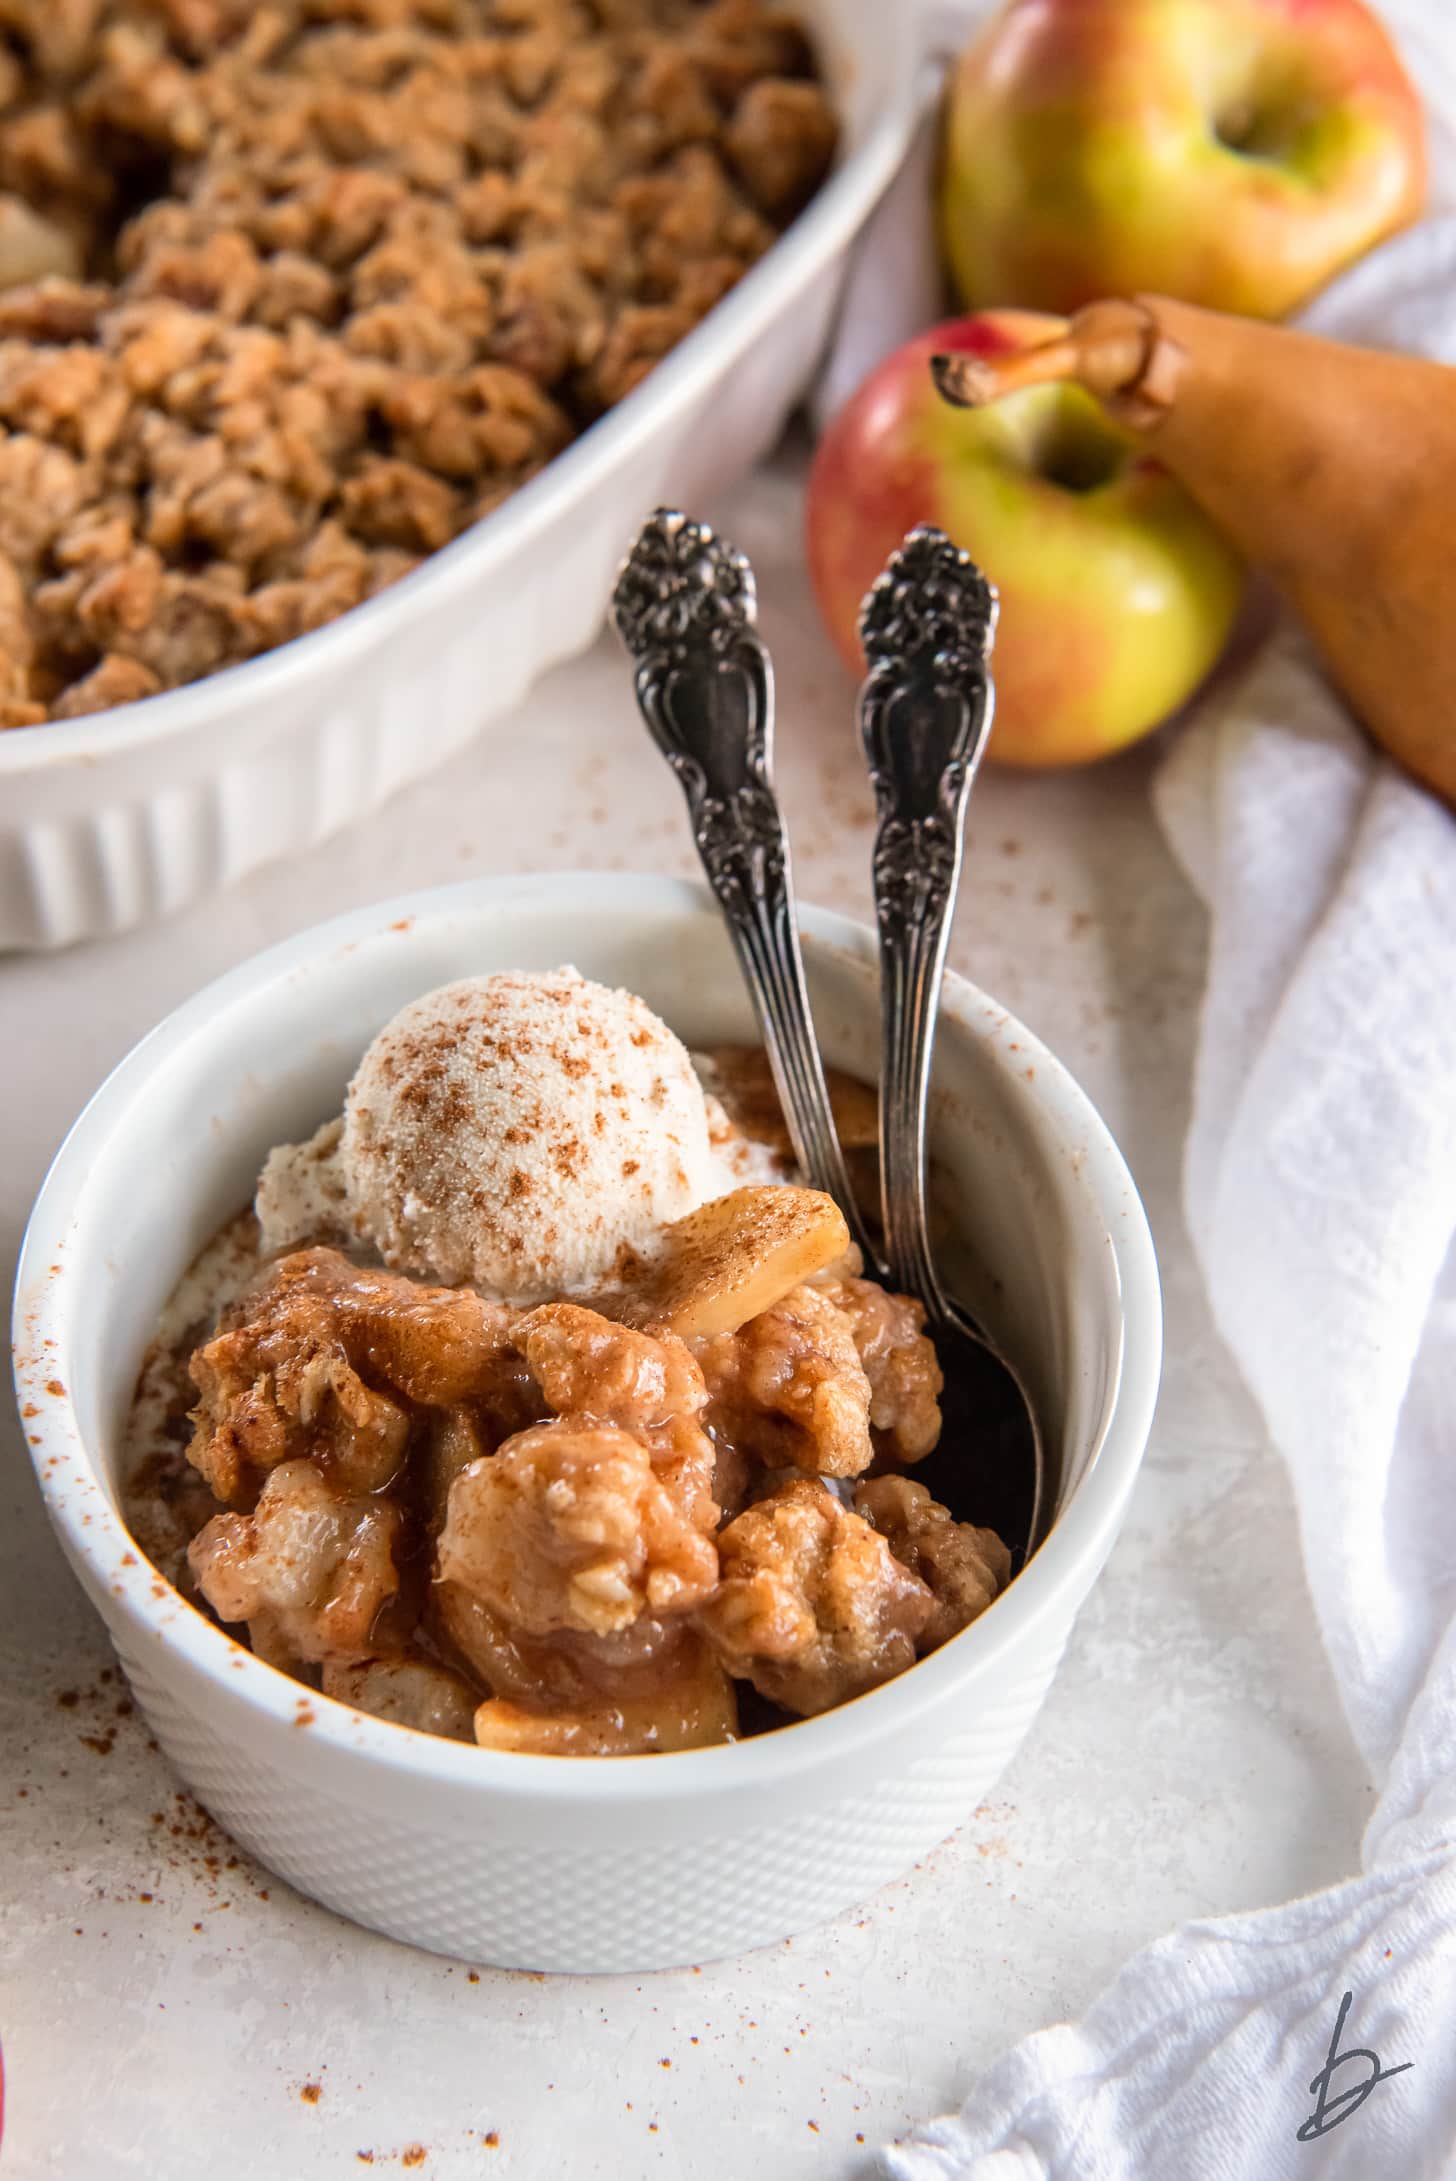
[516,1131]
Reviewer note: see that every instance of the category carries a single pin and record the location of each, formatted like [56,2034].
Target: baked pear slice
[733,1258]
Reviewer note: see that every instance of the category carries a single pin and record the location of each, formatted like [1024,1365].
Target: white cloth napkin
[1321,1193]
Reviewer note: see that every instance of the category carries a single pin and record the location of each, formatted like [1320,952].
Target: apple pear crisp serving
[534,1402]
[293,291]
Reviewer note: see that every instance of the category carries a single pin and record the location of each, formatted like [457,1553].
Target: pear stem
[1116,350]
[969,382]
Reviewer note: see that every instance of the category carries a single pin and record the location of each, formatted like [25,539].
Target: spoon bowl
[1000,1481]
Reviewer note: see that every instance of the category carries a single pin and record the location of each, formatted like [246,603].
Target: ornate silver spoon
[925,714]
[685,607]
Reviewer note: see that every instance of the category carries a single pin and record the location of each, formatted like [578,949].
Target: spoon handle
[925,712]
[686,608]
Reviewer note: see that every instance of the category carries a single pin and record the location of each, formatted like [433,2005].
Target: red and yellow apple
[1235,153]
[1117,594]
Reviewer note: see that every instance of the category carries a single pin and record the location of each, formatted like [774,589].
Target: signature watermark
[1330,2110]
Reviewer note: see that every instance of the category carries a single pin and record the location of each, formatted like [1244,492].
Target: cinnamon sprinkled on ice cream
[516,1131]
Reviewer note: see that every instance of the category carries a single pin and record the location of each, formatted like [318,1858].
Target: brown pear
[1331,467]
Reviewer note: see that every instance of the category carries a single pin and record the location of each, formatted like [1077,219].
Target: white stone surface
[162,2002]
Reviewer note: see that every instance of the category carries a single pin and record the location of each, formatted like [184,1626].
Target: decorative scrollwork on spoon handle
[925,712]
[685,608]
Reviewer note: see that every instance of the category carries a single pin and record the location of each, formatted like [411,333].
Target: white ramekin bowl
[110,821]
[589,1864]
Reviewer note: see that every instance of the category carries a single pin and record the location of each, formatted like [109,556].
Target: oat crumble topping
[292,293]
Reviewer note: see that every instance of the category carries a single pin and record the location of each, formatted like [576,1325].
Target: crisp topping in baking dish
[292,293]
[621,1470]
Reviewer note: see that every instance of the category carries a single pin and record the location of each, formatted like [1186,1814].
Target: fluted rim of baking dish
[829,221]
[1056,1578]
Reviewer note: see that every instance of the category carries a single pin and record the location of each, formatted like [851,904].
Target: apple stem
[1116,350]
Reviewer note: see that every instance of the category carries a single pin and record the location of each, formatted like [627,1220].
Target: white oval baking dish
[578,1864]
[109,821]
